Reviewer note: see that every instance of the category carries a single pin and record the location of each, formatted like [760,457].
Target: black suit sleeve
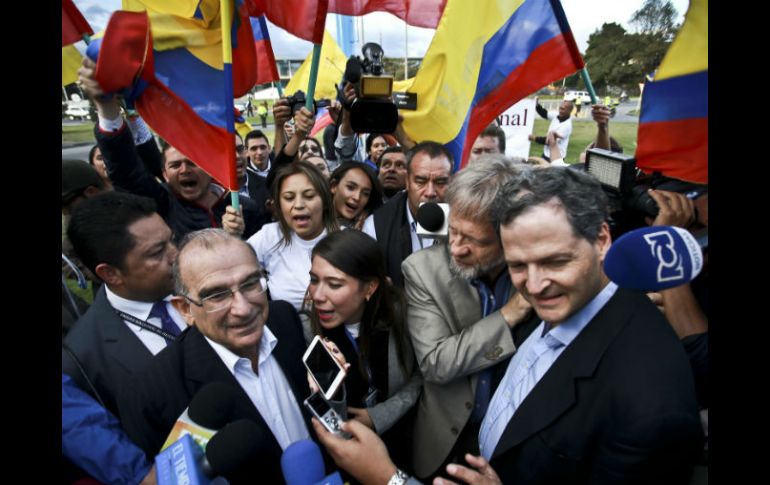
[151,157]
[127,171]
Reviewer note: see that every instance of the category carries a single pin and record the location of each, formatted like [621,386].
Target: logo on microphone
[670,263]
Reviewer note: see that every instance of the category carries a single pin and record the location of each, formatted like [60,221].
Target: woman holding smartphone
[355,307]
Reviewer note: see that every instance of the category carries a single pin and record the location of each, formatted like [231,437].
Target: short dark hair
[433,150]
[495,131]
[98,229]
[370,139]
[580,196]
[393,149]
[254,134]
[375,198]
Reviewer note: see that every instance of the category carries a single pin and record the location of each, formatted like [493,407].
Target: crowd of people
[498,352]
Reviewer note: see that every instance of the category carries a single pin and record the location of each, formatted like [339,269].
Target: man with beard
[464,318]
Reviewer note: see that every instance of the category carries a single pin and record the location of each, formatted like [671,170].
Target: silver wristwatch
[398,478]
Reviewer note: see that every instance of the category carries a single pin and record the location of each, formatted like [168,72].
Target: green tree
[656,17]
[609,58]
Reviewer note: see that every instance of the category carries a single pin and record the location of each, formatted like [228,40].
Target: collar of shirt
[501,290]
[261,173]
[353,329]
[138,309]
[266,345]
[417,243]
[571,327]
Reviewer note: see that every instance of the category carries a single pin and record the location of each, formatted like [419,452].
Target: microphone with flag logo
[235,453]
[303,464]
[209,410]
[654,258]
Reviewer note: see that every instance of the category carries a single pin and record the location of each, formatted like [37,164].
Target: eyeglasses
[239,148]
[222,300]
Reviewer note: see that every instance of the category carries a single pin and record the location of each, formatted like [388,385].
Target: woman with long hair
[355,306]
[356,192]
[305,215]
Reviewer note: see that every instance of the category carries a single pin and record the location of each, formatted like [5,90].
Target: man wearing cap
[79,180]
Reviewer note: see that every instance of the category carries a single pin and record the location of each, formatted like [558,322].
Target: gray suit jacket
[107,349]
[452,343]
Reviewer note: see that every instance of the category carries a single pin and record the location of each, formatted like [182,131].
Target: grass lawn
[583,133]
[78,133]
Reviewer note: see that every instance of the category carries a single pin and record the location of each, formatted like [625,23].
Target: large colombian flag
[485,56]
[181,91]
[673,124]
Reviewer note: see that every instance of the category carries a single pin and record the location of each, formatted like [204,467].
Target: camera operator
[346,146]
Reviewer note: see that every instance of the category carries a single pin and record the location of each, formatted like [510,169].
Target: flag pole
[313,76]
[227,58]
[589,86]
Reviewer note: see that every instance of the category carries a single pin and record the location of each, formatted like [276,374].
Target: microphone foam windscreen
[430,216]
[302,463]
[654,258]
[239,449]
[212,405]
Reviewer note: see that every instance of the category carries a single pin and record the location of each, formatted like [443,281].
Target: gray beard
[473,272]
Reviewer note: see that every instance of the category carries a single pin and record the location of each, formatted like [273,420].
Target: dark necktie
[167,323]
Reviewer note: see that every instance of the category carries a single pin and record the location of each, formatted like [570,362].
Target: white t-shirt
[564,129]
[288,266]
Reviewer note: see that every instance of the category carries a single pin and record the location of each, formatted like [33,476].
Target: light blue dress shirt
[528,365]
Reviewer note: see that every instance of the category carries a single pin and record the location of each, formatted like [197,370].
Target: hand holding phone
[328,417]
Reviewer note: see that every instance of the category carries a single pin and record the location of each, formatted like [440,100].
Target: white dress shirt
[141,310]
[269,391]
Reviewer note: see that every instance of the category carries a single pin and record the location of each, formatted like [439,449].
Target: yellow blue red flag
[175,74]
[673,123]
[330,69]
[485,56]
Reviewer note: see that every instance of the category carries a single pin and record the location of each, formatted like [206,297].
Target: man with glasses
[236,337]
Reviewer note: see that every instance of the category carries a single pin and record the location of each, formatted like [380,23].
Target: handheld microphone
[209,410]
[432,220]
[654,258]
[234,452]
[303,464]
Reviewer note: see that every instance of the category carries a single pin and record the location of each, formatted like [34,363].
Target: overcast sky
[584,16]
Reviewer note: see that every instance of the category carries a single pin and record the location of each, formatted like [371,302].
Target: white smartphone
[325,370]
[325,414]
